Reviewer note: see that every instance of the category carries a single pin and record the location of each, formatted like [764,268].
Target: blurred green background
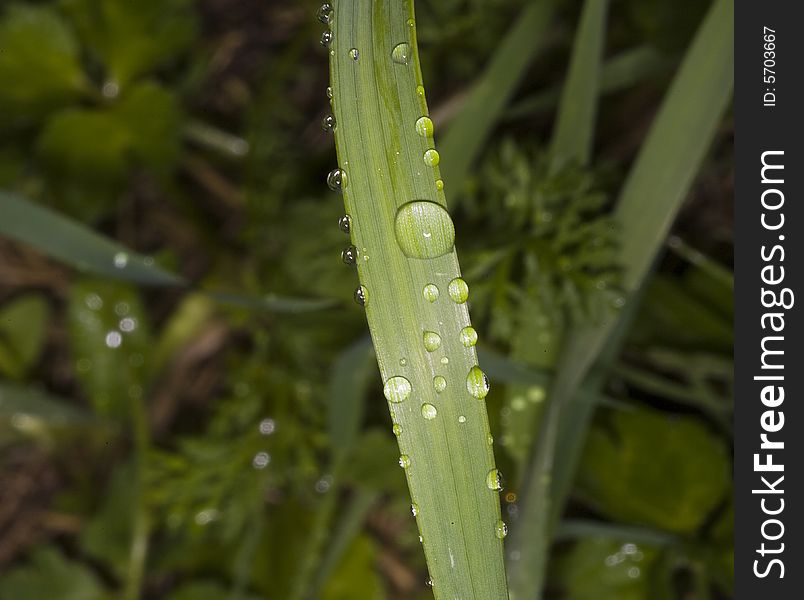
[168,419]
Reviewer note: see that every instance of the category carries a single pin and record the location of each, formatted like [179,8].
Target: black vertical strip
[769,403]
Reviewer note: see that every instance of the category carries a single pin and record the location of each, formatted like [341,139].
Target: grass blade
[575,125]
[650,199]
[415,304]
[469,130]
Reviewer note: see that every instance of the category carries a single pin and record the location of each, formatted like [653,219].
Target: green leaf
[651,468]
[110,343]
[50,575]
[133,38]
[39,66]
[153,117]
[469,130]
[348,383]
[356,577]
[415,304]
[23,329]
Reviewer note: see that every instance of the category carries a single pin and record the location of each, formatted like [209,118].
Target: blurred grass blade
[575,125]
[618,73]
[274,303]
[350,377]
[414,300]
[649,201]
[505,370]
[75,244]
[469,130]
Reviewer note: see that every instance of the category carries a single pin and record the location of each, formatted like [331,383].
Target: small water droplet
[489,439]
[432,341]
[397,389]
[328,124]
[424,127]
[349,255]
[444,360]
[429,411]
[361,295]
[477,383]
[439,383]
[345,223]
[324,13]
[494,480]
[431,157]
[420,91]
[404,461]
[113,339]
[329,92]
[267,426]
[501,529]
[458,290]
[461,419]
[261,460]
[411,23]
[354,54]
[401,53]
[439,184]
[424,229]
[403,362]
[414,509]
[326,38]
[337,180]
[120,260]
[397,429]
[468,336]
[430,292]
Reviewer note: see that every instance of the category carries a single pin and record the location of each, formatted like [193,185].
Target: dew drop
[404,461]
[444,360]
[501,529]
[439,184]
[461,419]
[337,180]
[349,255]
[414,509]
[420,91]
[261,460]
[430,292]
[468,336]
[424,230]
[411,23]
[397,429]
[326,38]
[424,127]
[329,92]
[494,480]
[401,53]
[397,389]
[345,223]
[120,260]
[439,383]
[354,54]
[458,290]
[361,295]
[429,411]
[432,341]
[431,157]
[324,13]
[489,439]
[477,383]
[328,123]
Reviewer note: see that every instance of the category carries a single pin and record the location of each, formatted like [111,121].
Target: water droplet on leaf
[401,53]
[424,229]
[494,480]
[500,529]
[354,54]
[439,383]
[477,383]
[432,341]
[361,295]
[328,124]
[404,461]
[458,290]
[429,411]
[337,180]
[468,336]
[431,157]
[424,127]
[345,223]
[349,255]
[326,38]
[397,389]
[430,292]
[324,13]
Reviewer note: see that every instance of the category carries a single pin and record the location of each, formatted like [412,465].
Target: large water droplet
[362,295]
[424,229]
[432,341]
[345,223]
[500,529]
[326,38]
[324,13]
[328,123]
[404,461]
[401,53]
[477,383]
[349,255]
[431,157]
[429,411]
[424,127]
[354,54]
[494,480]
[439,383]
[337,180]
[468,336]
[397,389]
[458,290]
[430,292]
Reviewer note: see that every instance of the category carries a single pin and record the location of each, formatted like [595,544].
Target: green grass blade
[650,199]
[401,250]
[471,128]
[575,125]
[348,383]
